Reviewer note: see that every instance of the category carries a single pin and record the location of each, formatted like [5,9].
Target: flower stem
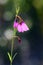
[10,63]
[12,51]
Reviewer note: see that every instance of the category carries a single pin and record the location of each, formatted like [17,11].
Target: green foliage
[10,57]
[23,4]
[38,3]
[14,56]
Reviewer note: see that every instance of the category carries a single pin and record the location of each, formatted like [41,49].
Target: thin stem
[12,50]
[12,58]
[10,63]
[12,47]
[15,36]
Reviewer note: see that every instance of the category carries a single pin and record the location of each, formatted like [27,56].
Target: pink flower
[15,24]
[22,27]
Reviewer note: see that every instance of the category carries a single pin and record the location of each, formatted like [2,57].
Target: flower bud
[19,39]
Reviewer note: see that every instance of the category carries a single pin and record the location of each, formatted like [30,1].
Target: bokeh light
[38,3]
[8,16]
[8,34]
[2,2]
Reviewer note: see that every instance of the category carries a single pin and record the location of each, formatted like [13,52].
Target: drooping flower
[8,34]
[22,27]
[19,39]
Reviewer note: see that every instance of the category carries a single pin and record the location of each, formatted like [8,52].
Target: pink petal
[15,24]
[24,27]
[19,28]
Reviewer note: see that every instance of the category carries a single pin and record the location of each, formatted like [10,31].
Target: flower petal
[19,28]
[15,24]
[24,27]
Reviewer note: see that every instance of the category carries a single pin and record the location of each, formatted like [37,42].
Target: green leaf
[10,57]
[17,10]
[14,55]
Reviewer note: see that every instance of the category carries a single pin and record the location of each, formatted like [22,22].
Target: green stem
[12,58]
[12,50]
[10,63]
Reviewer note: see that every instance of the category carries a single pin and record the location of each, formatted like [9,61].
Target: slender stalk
[10,63]
[12,50]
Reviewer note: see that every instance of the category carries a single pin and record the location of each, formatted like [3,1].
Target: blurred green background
[30,51]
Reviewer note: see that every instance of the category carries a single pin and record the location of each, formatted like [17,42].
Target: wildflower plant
[20,26]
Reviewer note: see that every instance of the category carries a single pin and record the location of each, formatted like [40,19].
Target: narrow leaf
[14,55]
[10,58]
[17,10]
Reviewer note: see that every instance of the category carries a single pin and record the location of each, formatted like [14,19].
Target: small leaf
[10,57]
[14,55]
[17,10]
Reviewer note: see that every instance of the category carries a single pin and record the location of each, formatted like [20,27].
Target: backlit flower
[22,27]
